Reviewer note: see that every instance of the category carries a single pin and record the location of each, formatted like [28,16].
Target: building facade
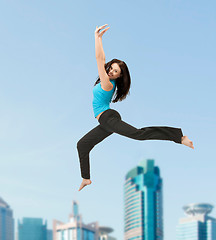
[32,229]
[49,234]
[197,225]
[143,213]
[6,221]
[75,229]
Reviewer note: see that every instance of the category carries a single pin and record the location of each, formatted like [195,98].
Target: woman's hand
[97,31]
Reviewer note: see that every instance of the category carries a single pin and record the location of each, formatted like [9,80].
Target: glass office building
[143,216]
[75,229]
[32,229]
[49,234]
[6,221]
[197,225]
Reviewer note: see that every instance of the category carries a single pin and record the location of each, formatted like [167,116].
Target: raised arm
[100,57]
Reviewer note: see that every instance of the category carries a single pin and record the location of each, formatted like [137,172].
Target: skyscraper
[143,203]
[32,229]
[49,234]
[75,229]
[197,225]
[6,221]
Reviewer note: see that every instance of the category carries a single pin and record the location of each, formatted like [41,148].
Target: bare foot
[84,183]
[187,142]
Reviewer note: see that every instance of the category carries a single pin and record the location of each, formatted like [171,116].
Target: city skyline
[48,69]
[196,224]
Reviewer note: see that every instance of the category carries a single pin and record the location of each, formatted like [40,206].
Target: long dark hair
[122,83]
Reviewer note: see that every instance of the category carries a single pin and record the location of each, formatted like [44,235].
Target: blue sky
[48,69]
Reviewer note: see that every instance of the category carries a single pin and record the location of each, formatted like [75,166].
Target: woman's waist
[99,104]
[101,100]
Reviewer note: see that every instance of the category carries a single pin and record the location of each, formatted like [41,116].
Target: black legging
[110,122]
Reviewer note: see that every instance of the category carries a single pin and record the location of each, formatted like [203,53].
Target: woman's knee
[80,144]
[83,145]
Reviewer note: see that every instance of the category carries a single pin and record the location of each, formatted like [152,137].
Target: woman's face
[114,71]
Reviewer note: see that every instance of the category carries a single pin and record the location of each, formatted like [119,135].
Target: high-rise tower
[6,221]
[32,228]
[75,229]
[197,225]
[143,203]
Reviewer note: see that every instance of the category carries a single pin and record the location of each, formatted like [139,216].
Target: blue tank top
[102,98]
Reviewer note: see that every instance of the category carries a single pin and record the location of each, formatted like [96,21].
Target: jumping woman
[114,77]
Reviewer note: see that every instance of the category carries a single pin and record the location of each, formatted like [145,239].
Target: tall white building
[197,225]
[6,221]
[75,229]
